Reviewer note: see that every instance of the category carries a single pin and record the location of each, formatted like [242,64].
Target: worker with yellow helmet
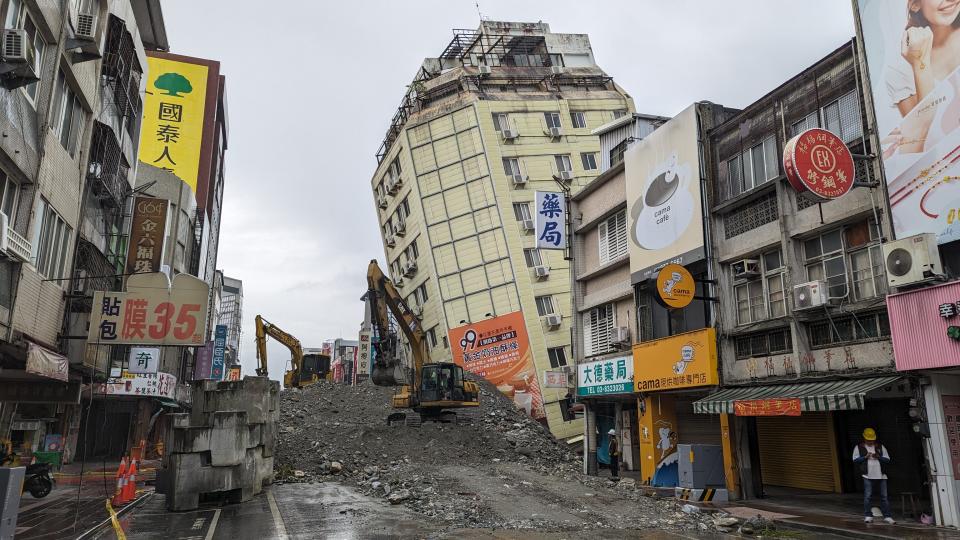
[873,459]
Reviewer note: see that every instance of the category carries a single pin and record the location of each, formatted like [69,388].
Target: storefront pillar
[944,488]
[590,439]
[729,455]
[658,441]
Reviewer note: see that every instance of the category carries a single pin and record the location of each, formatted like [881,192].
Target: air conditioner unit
[17,47]
[809,295]
[86,26]
[745,268]
[392,186]
[484,70]
[390,240]
[80,281]
[519,179]
[410,268]
[912,260]
[509,134]
[399,281]
[553,320]
[417,311]
[381,201]
[620,334]
[555,132]
[528,225]
[400,228]
[566,176]
[541,271]
[398,181]
[557,70]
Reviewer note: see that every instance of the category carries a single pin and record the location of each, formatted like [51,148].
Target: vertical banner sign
[951,415]
[203,362]
[498,350]
[173,113]
[144,360]
[915,85]
[219,346]
[363,353]
[147,232]
[551,220]
[663,196]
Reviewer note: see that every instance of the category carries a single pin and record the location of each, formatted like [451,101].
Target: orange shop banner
[767,407]
[498,350]
[681,361]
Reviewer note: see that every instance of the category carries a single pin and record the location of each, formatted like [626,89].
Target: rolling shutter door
[798,452]
[695,428]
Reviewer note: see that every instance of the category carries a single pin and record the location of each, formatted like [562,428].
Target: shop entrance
[105,430]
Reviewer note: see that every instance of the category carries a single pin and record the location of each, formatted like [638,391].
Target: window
[810,121]
[563,163]
[612,234]
[589,160]
[420,294]
[869,279]
[616,153]
[403,209]
[511,166]
[597,327]
[501,122]
[619,113]
[841,330]
[67,116]
[532,256]
[763,296]
[51,241]
[545,305]
[577,120]
[17,17]
[764,344]
[826,262]
[552,119]
[9,197]
[432,337]
[842,117]
[411,251]
[754,167]
[521,211]
[558,356]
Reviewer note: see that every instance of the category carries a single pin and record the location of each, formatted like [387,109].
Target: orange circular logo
[675,286]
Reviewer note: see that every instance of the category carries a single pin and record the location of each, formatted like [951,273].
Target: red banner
[767,407]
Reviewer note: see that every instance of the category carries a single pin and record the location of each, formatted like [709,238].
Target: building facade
[503,111]
[231,316]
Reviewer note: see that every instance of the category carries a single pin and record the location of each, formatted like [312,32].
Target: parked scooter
[37,480]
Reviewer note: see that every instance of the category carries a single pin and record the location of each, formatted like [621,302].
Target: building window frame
[545,305]
[501,121]
[563,163]
[590,161]
[598,323]
[766,343]
[557,356]
[521,211]
[533,257]
[764,296]
[552,119]
[578,120]
[847,330]
[51,242]
[612,237]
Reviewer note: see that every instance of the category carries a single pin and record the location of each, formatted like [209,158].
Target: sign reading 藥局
[915,85]
[556,378]
[144,360]
[612,376]
[550,220]
[219,347]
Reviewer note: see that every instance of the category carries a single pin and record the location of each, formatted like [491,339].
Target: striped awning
[815,396]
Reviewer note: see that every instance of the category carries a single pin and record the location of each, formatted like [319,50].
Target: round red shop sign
[819,164]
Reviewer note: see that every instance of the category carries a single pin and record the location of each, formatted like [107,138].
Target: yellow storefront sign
[173,115]
[681,361]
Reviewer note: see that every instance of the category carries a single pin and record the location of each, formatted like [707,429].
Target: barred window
[751,216]
[764,343]
[752,168]
[850,329]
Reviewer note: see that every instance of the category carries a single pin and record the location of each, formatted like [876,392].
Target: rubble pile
[451,473]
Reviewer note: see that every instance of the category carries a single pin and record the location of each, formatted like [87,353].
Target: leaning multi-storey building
[504,111]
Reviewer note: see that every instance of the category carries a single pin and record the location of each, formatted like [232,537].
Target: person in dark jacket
[873,459]
[614,450]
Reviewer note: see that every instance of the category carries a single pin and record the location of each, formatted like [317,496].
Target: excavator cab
[443,382]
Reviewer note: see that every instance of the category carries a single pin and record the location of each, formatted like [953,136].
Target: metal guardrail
[18,246]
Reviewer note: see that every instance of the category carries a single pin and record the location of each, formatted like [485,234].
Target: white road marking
[213,525]
[277,520]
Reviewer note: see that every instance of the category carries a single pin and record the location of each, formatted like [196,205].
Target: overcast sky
[312,86]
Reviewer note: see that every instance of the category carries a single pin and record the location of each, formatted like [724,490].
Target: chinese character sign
[173,117]
[144,360]
[681,361]
[363,353]
[219,346]
[151,312]
[146,235]
[551,220]
[767,407]
[203,362]
[498,350]
[130,384]
[610,376]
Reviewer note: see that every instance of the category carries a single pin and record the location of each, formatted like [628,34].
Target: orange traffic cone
[121,481]
[130,490]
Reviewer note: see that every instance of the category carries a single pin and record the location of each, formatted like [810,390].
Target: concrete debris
[398,496]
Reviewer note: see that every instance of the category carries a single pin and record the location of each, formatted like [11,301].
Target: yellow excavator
[430,389]
[299,374]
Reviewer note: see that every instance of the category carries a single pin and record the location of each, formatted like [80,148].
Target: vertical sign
[951,415]
[144,360]
[146,235]
[173,115]
[219,345]
[551,223]
[363,353]
[203,362]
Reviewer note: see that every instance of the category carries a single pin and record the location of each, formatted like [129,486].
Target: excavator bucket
[388,375]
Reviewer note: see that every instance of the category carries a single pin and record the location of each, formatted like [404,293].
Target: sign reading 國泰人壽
[173,117]
[611,376]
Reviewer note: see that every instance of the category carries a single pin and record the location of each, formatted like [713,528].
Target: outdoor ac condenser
[701,466]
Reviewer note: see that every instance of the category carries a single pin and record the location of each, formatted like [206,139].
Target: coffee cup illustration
[686,357]
[665,209]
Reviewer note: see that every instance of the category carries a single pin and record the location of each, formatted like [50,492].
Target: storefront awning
[816,396]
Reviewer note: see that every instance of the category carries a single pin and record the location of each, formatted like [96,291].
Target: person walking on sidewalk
[614,451]
[873,459]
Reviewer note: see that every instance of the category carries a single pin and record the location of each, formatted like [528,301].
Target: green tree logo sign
[174,84]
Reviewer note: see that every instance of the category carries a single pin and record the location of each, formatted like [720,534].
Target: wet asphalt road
[328,510]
